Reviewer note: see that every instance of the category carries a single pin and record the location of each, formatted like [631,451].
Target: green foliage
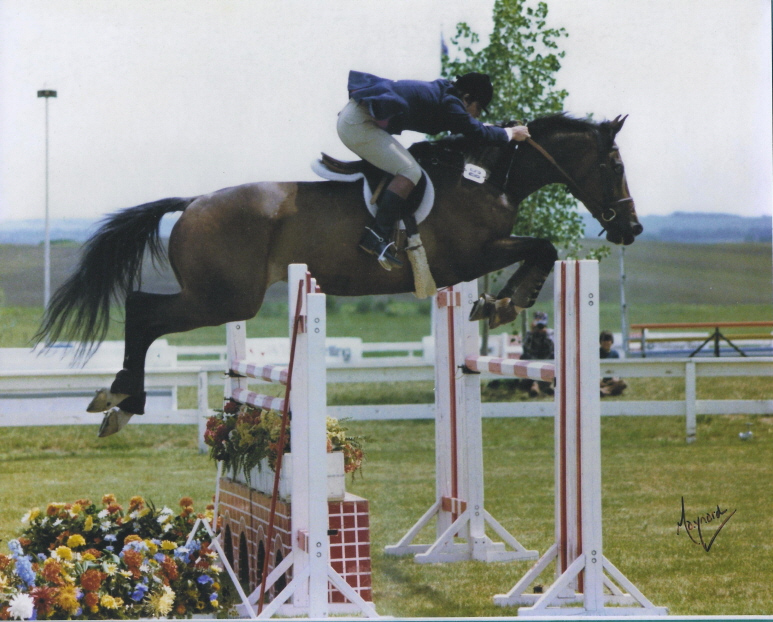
[522,57]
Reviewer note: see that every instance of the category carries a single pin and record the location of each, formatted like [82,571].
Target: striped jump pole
[309,562]
[459,508]
[586,582]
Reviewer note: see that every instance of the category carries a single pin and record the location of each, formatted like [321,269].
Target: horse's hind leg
[148,317]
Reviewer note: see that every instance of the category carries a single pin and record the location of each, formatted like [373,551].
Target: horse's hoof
[482,308]
[504,313]
[105,400]
[114,421]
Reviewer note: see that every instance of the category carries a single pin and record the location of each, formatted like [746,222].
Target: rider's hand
[518,133]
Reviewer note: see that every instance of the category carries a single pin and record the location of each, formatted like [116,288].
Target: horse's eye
[619,169]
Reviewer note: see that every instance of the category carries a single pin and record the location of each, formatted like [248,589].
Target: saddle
[375,180]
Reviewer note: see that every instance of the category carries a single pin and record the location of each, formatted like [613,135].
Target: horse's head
[588,161]
[614,207]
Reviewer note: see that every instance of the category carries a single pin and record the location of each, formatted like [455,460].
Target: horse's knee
[545,254]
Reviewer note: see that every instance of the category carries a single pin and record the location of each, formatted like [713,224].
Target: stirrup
[388,260]
[377,245]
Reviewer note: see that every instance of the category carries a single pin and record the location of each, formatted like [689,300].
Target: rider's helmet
[477,86]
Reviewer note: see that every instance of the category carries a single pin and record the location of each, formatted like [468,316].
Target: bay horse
[229,246]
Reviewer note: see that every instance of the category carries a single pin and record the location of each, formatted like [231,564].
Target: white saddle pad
[421,213]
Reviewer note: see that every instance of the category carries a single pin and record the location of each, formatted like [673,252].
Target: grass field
[647,469]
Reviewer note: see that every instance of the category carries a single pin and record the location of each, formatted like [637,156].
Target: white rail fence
[43,390]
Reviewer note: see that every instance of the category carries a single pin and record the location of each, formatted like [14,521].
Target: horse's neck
[572,151]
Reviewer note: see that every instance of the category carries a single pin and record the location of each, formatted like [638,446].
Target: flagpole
[47,94]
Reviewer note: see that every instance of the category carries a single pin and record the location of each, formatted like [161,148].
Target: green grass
[647,469]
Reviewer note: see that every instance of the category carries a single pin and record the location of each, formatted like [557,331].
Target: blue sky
[178,98]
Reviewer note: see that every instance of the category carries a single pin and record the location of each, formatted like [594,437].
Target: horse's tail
[110,264]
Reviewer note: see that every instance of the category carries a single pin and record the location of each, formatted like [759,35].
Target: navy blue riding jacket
[427,107]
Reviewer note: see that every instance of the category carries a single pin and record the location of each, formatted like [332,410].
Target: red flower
[91,599]
[169,568]
[52,573]
[231,407]
[91,580]
[44,599]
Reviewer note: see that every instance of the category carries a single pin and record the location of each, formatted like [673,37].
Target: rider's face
[473,108]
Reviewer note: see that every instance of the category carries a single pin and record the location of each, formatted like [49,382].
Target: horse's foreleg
[522,288]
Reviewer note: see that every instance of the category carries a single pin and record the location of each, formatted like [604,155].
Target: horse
[229,246]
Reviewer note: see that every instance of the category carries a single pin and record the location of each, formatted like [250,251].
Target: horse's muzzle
[623,228]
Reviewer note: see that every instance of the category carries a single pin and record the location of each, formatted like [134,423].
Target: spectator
[538,346]
[609,386]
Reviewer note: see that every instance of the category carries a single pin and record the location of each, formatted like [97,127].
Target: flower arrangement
[241,435]
[79,561]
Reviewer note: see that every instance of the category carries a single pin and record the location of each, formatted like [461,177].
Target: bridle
[607,212]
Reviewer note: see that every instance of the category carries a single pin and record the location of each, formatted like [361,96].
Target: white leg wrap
[422,277]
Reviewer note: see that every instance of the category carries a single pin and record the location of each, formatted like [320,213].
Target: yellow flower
[62,552]
[214,603]
[88,524]
[108,602]
[144,512]
[67,599]
[76,509]
[76,540]
[161,603]
[110,569]
[88,557]
[167,545]
[152,547]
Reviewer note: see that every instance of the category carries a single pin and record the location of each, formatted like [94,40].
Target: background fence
[43,390]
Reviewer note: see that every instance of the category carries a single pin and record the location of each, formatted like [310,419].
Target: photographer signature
[709,517]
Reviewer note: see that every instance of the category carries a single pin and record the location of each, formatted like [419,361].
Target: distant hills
[687,227]
[697,228]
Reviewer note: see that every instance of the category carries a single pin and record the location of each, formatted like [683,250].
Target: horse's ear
[616,125]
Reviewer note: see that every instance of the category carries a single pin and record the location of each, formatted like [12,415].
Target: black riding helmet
[477,86]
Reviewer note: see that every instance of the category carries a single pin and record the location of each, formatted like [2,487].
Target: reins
[576,187]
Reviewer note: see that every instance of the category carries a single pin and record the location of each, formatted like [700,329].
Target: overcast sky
[161,98]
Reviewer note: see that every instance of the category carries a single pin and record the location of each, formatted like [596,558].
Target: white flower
[103,514]
[106,526]
[110,569]
[167,527]
[26,518]
[145,568]
[21,607]
[57,522]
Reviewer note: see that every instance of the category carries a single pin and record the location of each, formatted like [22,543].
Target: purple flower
[139,592]
[205,580]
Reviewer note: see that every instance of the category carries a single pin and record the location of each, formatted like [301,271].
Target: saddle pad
[421,213]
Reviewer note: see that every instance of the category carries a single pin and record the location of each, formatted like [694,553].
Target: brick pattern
[246,511]
[350,546]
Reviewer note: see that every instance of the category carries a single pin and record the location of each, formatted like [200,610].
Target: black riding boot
[376,240]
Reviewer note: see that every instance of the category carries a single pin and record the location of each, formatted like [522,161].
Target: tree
[522,58]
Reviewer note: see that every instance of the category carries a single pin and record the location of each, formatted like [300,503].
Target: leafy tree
[522,58]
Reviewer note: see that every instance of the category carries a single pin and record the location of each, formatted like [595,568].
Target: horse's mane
[560,122]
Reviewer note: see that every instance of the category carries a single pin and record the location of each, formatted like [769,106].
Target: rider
[379,108]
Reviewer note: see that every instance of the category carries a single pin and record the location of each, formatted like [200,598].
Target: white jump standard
[459,505]
[577,551]
[307,593]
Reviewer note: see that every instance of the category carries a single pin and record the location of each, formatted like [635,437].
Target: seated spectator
[538,346]
[609,386]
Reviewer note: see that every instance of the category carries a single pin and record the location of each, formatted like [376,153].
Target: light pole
[47,94]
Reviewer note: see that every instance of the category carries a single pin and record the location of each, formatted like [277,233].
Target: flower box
[262,479]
